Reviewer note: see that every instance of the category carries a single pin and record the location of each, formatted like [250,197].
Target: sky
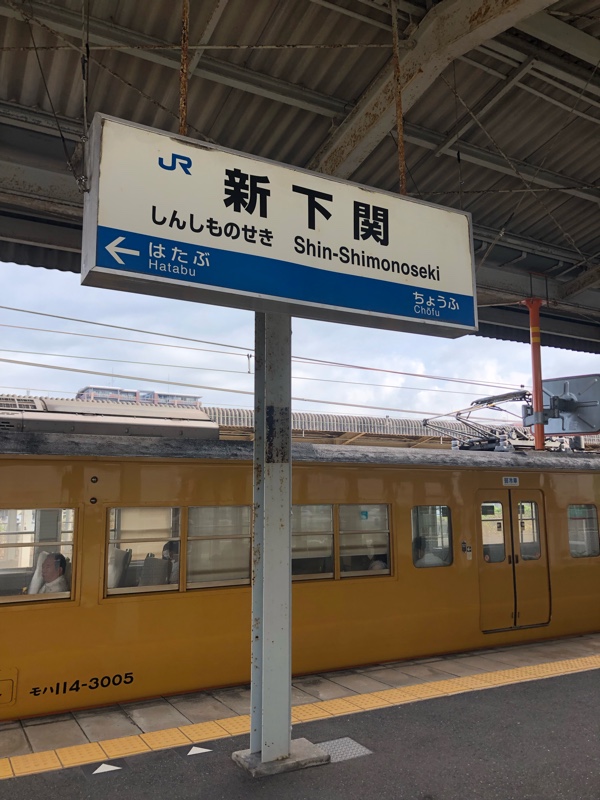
[208,350]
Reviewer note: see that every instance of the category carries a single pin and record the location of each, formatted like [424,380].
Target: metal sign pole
[277,484]
[258,540]
[271,749]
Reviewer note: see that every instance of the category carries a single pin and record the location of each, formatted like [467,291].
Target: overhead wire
[118,339]
[234,372]
[247,350]
[122,328]
[142,379]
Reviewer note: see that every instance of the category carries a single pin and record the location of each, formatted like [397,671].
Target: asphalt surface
[538,740]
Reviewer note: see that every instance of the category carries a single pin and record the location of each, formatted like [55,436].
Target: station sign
[176,217]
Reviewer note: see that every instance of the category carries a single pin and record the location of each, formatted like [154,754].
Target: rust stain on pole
[183,71]
[398,97]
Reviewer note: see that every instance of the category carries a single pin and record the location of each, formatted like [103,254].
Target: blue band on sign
[214,268]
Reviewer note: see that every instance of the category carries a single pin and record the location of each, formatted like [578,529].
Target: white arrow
[114,249]
[105,768]
[195,750]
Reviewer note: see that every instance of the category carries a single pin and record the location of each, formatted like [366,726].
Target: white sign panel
[175,217]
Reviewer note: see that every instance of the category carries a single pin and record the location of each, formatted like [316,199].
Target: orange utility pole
[534,304]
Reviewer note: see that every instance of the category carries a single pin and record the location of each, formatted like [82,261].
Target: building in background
[116,395]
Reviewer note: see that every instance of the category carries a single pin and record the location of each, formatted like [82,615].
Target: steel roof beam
[513,50]
[494,161]
[451,29]
[485,104]
[563,36]
[38,120]
[522,243]
[590,279]
[102,32]
[40,190]
[504,286]
[208,31]
[569,332]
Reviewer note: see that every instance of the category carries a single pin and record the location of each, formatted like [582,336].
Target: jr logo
[185,162]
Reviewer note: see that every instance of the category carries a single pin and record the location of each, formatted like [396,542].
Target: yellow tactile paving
[422,691]
[308,712]
[171,737]
[500,678]
[235,725]
[231,726]
[456,685]
[204,731]
[367,701]
[80,754]
[124,746]
[337,707]
[5,768]
[35,762]
[392,696]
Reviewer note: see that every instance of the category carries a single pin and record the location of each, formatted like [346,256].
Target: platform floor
[104,736]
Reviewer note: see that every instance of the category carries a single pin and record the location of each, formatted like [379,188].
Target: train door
[514,583]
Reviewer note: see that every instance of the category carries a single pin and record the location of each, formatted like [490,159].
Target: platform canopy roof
[501,103]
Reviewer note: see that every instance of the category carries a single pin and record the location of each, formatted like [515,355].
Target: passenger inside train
[54,568]
[170,552]
[36,552]
[424,557]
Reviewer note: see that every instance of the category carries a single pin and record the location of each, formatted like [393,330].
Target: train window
[431,536]
[364,540]
[584,539]
[143,550]
[492,532]
[529,531]
[36,552]
[312,541]
[218,549]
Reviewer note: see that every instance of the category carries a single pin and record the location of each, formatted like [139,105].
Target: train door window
[431,536]
[584,541]
[36,552]
[492,532]
[312,541]
[143,550]
[218,549]
[364,540]
[529,531]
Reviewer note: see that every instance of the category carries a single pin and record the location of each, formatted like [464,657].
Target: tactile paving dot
[344,749]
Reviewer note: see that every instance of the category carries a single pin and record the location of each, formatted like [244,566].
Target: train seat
[118,563]
[36,580]
[154,571]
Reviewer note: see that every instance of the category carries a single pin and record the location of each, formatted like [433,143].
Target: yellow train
[125,561]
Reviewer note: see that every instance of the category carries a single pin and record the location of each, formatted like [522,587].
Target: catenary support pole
[534,304]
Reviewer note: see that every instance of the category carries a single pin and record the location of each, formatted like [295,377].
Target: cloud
[53,292]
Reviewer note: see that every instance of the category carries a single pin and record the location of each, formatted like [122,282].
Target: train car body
[396,554]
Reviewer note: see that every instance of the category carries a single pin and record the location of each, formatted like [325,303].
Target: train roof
[125,447]
[65,427]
